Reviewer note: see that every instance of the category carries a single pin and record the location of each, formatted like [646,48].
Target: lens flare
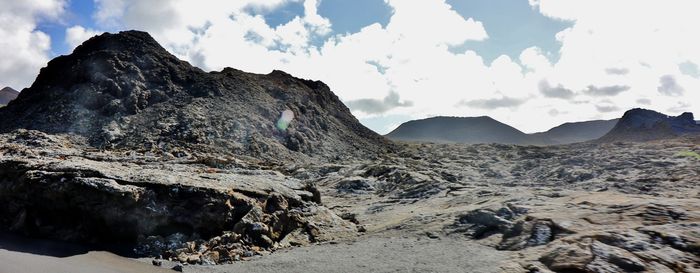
[285,118]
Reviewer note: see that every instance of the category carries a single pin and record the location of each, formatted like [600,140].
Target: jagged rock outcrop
[7,94]
[644,125]
[121,142]
[124,91]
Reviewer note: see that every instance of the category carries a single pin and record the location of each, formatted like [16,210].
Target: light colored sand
[367,254]
[92,262]
[22,255]
[374,254]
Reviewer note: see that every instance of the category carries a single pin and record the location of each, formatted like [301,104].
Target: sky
[532,64]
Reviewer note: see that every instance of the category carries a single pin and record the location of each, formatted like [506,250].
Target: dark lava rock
[50,188]
[357,185]
[125,91]
[121,142]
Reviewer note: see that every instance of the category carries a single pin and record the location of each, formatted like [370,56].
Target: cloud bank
[406,67]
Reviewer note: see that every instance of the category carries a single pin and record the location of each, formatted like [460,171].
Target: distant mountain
[643,125]
[573,132]
[462,130]
[7,94]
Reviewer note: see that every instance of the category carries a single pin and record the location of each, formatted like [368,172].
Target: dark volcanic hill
[643,125]
[124,91]
[573,132]
[461,130]
[7,94]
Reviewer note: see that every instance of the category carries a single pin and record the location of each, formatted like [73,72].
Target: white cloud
[76,35]
[629,51]
[23,48]
[617,49]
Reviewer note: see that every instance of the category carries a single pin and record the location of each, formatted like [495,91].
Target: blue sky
[533,64]
[513,25]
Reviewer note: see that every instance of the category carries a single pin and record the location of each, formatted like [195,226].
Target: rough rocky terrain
[621,207]
[193,209]
[121,143]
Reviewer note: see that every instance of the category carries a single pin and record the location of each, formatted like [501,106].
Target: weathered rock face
[122,142]
[644,125]
[125,91]
[51,188]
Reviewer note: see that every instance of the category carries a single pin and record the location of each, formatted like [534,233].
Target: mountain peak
[7,94]
[126,91]
[131,40]
[481,129]
[643,124]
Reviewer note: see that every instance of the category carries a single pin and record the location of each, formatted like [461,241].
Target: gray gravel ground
[375,254]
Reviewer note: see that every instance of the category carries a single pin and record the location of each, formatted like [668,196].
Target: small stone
[182,257]
[361,228]
[432,235]
[194,259]
[177,268]
[157,263]
[276,202]
[210,258]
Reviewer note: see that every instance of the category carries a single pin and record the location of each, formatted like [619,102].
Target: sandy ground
[374,254]
[22,255]
[366,254]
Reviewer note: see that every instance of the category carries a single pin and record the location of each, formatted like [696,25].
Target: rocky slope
[124,91]
[644,125]
[573,132]
[121,142]
[7,94]
[461,130]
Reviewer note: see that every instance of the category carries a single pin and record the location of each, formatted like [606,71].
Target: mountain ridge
[472,130]
[640,124]
[581,131]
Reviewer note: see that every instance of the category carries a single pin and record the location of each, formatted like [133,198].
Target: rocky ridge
[644,125]
[479,130]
